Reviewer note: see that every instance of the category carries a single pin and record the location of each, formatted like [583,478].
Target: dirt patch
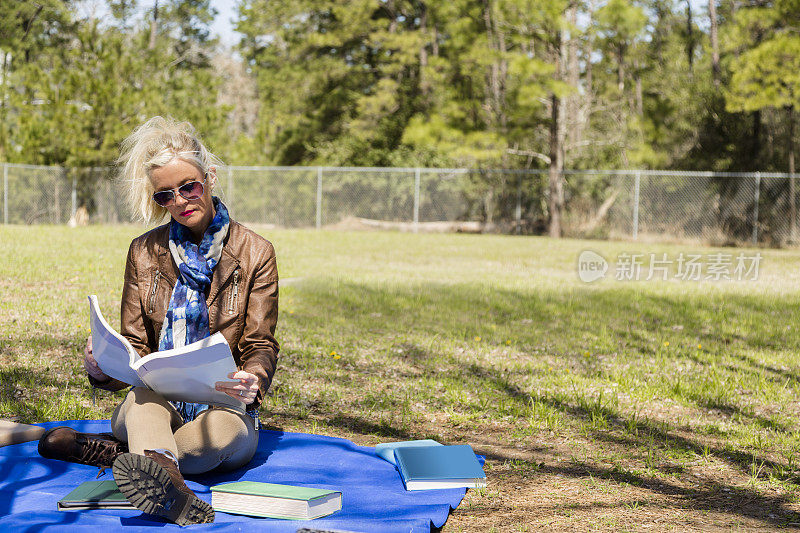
[554,482]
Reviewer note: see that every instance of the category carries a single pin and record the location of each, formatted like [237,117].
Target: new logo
[591,266]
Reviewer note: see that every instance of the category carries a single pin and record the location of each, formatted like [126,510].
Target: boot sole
[150,489]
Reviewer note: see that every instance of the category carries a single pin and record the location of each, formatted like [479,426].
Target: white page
[189,373]
[111,350]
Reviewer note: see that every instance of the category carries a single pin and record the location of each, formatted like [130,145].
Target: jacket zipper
[153,292]
[234,293]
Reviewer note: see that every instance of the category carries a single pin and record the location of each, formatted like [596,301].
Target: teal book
[94,495]
[270,500]
[385,450]
[439,467]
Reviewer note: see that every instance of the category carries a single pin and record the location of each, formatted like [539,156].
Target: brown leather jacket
[242,301]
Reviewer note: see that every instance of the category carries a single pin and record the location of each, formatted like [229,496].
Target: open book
[184,374]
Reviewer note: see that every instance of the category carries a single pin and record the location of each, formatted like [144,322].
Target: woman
[199,274]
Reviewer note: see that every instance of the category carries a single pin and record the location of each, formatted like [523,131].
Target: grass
[613,405]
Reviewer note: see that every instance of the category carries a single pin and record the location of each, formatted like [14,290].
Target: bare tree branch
[29,24]
[529,153]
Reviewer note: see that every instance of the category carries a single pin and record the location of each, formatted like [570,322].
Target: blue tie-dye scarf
[187,315]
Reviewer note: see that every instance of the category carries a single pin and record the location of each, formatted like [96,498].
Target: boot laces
[99,452]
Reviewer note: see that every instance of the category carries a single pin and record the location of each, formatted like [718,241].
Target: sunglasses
[191,191]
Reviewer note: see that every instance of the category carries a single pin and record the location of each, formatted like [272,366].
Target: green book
[270,500]
[94,495]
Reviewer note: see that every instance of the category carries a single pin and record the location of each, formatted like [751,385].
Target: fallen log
[358,223]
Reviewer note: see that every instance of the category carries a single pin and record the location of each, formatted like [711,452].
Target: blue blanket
[373,496]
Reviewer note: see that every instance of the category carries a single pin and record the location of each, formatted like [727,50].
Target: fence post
[755,208]
[62,177]
[230,187]
[518,207]
[319,197]
[636,179]
[5,193]
[416,200]
[792,208]
[74,197]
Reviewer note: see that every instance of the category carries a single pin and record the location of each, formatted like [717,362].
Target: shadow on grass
[31,394]
[635,434]
[429,331]
[626,326]
[781,374]
[382,428]
[718,497]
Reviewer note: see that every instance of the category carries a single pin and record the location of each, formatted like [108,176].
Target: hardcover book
[270,500]
[186,374]
[385,450]
[94,495]
[439,467]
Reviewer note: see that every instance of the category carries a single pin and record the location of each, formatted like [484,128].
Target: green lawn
[613,405]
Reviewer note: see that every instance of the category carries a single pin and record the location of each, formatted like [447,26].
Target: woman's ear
[212,177]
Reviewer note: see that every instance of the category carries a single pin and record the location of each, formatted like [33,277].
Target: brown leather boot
[153,483]
[95,449]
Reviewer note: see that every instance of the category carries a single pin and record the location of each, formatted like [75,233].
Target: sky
[221,27]
[223,23]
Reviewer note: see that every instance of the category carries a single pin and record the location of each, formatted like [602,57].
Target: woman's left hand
[244,390]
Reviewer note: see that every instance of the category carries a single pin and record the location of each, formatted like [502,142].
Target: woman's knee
[216,439]
[215,431]
[225,428]
[144,405]
[143,395]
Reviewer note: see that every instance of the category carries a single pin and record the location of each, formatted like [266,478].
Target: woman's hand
[244,390]
[90,364]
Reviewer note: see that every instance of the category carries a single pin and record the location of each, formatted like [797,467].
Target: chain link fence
[714,208]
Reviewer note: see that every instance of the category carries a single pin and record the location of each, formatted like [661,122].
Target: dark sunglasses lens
[164,198]
[192,190]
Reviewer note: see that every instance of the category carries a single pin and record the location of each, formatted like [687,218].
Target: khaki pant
[219,437]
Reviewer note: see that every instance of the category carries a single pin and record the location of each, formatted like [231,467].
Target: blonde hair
[154,144]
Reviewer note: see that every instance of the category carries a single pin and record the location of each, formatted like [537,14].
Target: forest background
[517,84]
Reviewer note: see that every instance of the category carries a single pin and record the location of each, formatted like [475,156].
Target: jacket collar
[227,264]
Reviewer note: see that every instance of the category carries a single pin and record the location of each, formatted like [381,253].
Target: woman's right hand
[90,364]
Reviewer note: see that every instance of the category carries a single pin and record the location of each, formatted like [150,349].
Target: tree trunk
[690,35]
[154,28]
[503,74]
[497,71]
[557,127]
[488,204]
[639,98]
[424,86]
[556,173]
[712,15]
[3,110]
[392,9]
[573,78]
[588,94]
[755,142]
[792,203]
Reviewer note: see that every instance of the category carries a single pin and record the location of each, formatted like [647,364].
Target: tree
[620,25]
[713,34]
[768,76]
